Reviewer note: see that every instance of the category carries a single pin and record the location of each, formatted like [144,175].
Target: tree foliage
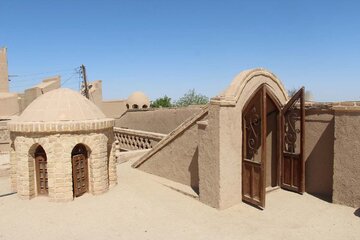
[308,94]
[161,102]
[192,98]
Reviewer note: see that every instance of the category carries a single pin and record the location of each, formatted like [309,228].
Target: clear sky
[168,47]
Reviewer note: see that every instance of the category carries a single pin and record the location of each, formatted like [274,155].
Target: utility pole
[83,73]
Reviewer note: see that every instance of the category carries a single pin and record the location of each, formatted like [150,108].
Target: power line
[36,80]
[43,73]
[63,83]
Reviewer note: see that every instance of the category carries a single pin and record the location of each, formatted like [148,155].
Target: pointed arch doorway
[79,159]
[273,142]
[41,171]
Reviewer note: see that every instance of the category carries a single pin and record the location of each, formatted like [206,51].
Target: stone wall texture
[58,148]
[4,139]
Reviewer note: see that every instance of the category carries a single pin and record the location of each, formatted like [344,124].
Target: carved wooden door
[41,173]
[254,152]
[80,174]
[292,152]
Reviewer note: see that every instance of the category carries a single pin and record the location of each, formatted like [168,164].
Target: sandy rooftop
[143,206]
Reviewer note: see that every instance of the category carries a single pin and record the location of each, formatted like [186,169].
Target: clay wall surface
[347,157]
[319,152]
[162,120]
[9,104]
[209,170]
[4,81]
[95,93]
[47,85]
[178,160]
[114,109]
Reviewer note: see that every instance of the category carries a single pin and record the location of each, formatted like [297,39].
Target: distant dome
[60,110]
[137,100]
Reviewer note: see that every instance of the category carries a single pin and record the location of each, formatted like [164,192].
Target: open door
[254,150]
[292,146]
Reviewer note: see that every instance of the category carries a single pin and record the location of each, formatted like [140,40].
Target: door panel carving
[292,132]
[253,162]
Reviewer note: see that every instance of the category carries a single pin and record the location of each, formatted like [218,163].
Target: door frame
[264,95]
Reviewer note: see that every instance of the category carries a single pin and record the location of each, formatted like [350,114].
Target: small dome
[137,100]
[61,105]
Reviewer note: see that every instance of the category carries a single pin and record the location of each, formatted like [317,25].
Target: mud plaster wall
[45,86]
[9,104]
[4,78]
[178,160]
[156,120]
[319,153]
[209,169]
[113,109]
[347,159]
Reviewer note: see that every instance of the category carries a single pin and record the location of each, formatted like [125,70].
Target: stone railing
[130,139]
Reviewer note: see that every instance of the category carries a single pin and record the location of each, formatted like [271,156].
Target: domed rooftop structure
[65,134]
[59,110]
[137,100]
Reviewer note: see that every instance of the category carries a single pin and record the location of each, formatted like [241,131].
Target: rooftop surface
[143,206]
[61,104]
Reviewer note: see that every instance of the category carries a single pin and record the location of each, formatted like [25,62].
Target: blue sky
[169,47]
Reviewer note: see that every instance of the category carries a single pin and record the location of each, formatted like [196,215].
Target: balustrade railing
[130,139]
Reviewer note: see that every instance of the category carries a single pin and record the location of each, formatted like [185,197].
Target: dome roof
[61,110]
[139,99]
[61,105]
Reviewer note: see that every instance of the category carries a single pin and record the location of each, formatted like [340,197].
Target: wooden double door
[273,143]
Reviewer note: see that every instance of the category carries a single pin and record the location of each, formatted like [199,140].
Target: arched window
[135,106]
[145,106]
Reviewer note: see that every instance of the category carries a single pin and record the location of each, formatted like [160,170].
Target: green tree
[192,98]
[161,102]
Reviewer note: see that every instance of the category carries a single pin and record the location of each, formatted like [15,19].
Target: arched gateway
[272,145]
[247,140]
[251,141]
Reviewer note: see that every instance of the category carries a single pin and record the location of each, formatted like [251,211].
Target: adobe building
[62,147]
[137,100]
[253,138]
[12,104]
